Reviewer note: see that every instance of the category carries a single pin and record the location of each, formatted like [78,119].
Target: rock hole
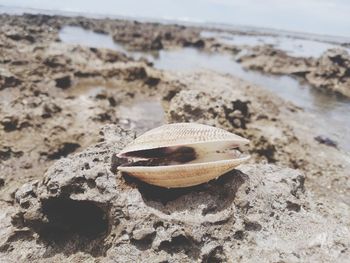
[91,183]
[86,166]
[63,151]
[63,82]
[293,206]
[67,218]
[10,123]
[144,243]
[210,209]
[215,256]
[151,81]
[252,226]
[158,224]
[264,148]
[2,182]
[180,244]
[75,187]
[238,235]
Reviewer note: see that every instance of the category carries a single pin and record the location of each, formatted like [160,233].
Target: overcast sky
[330,17]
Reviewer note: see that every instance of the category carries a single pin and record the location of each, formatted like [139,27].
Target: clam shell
[181,134]
[206,164]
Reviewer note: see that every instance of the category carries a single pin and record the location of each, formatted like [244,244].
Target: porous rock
[81,210]
[209,108]
[332,72]
[270,60]
[329,72]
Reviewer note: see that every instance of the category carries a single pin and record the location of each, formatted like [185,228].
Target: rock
[136,73]
[152,81]
[100,31]
[238,115]
[110,56]
[63,82]
[86,74]
[2,182]
[199,106]
[196,43]
[10,123]
[155,37]
[49,109]
[332,72]
[92,213]
[327,141]
[270,60]
[62,150]
[7,153]
[19,37]
[56,61]
[8,80]
[259,211]
[156,44]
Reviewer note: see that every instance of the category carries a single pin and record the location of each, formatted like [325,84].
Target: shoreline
[58,102]
[244,29]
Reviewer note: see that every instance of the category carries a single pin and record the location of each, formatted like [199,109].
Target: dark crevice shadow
[181,243]
[216,195]
[70,226]
[64,149]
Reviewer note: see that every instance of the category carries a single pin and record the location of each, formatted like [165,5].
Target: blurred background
[325,17]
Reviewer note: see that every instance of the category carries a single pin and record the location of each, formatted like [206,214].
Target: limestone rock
[82,210]
[332,72]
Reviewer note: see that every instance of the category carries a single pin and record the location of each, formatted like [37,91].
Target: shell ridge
[205,140]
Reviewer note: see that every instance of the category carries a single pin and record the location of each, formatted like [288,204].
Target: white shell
[204,140]
[181,134]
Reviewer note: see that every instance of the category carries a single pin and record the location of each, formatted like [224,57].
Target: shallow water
[76,35]
[293,46]
[138,114]
[330,111]
[142,114]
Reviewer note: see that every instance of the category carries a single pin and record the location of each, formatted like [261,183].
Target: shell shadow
[211,197]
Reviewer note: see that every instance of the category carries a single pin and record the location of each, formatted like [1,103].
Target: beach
[74,90]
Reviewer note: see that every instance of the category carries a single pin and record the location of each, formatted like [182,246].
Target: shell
[182,155]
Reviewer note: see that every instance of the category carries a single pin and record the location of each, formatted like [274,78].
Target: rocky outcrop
[208,107]
[85,209]
[332,72]
[270,60]
[54,99]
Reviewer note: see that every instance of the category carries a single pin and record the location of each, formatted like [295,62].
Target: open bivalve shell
[182,154]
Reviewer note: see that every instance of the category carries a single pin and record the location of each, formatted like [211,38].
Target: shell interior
[204,152]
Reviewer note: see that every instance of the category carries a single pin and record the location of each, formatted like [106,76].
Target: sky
[328,17]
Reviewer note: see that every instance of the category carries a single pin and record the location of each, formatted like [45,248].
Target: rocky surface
[330,72]
[83,209]
[279,132]
[269,60]
[55,98]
